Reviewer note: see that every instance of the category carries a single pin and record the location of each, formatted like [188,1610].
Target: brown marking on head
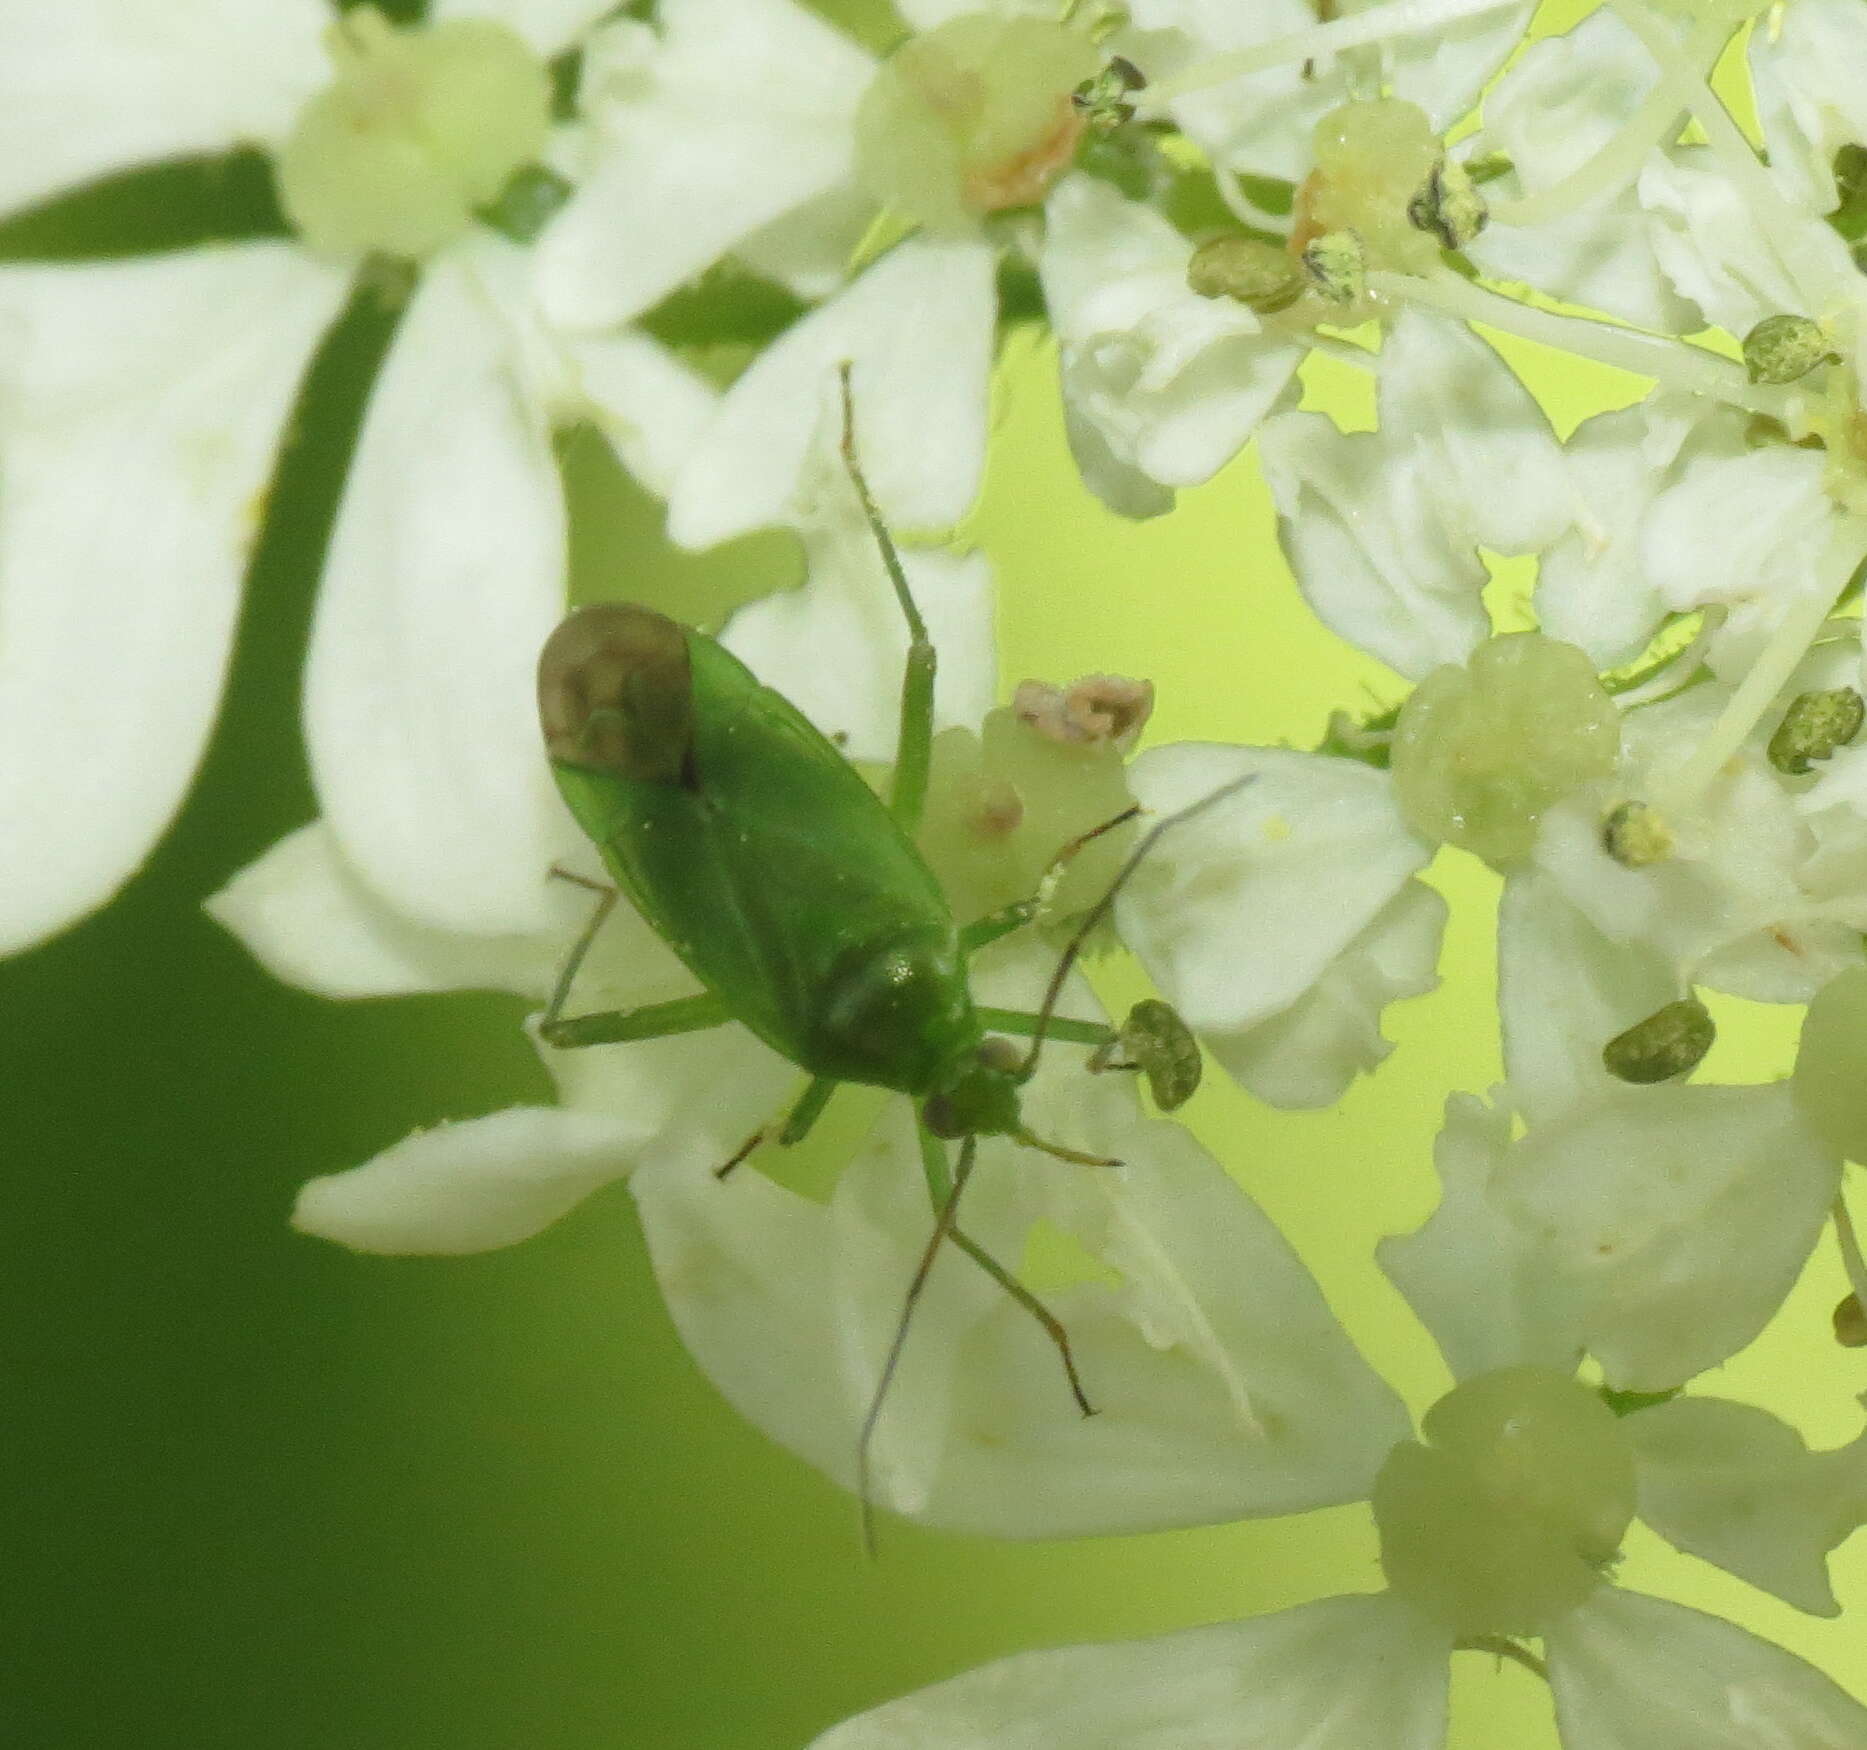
[616,694]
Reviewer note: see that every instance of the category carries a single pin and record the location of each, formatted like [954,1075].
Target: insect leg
[1020,912]
[1052,1325]
[915,749]
[560,992]
[943,1227]
[807,1111]
[1026,1026]
[650,1021]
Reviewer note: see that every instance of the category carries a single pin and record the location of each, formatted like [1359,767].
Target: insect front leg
[914,752]
[797,1125]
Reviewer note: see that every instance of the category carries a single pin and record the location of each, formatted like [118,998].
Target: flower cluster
[774,270]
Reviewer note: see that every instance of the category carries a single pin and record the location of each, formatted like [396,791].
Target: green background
[257,1490]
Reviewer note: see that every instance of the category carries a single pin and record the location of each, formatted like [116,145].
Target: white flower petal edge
[99,86]
[140,411]
[469,1187]
[1809,72]
[1565,990]
[1382,528]
[843,638]
[739,112]
[1161,386]
[303,914]
[1223,1385]
[1682,1215]
[1489,1298]
[1346,1673]
[1637,1673]
[446,573]
[1730,1483]
[1241,913]
[917,329]
[648,403]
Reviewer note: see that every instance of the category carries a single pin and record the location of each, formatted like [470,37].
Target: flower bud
[1449,206]
[1669,1042]
[1782,348]
[1157,1042]
[1337,266]
[1635,836]
[1814,726]
[1260,275]
[1850,1322]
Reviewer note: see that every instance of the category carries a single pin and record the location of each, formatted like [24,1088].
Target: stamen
[1377,24]
[1679,790]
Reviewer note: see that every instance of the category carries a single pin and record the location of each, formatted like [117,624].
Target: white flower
[142,404]
[1161,387]
[1383,529]
[1282,921]
[1496,1526]
[1222,1383]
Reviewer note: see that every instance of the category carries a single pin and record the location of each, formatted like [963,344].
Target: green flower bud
[1635,836]
[973,117]
[419,129]
[1157,1042]
[1782,348]
[1257,274]
[1669,1042]
[1481,751]
[1449,206]
[1102,99]
[1337,266]
[1850,1322]
[1828,1084]
[1511,1509]
[1814,726]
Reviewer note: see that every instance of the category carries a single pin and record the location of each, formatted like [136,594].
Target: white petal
[1309,1054]
[1637,1673]
[1565,990]
[303,914]
[836,648]
[1732,1484]
[1562,101]
[1359,528]
[140,411]
[1222,1383]
[1489,1297]
[1809,73]
[740,112]
[1485,455]
[650,405]
[917,328]
[1443,70]
[1682,1215]
[1170,384]
[548,25]
[97,86]
[469,1187]
[1708,242]
[446,573]
[1339,1674]
[1240,911]
[1593,588]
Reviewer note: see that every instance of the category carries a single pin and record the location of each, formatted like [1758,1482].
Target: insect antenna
[1072,950]
[865,1440]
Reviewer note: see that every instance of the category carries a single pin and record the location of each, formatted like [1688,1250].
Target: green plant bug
[797,897]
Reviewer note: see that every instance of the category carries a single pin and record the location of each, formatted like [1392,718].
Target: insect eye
[616,693]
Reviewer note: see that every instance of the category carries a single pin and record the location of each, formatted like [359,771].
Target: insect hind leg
[1051,1325]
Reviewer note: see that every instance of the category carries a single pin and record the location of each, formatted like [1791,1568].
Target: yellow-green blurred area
[262,1492]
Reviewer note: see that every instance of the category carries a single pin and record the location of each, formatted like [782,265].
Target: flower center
[1372,160]
[1510,1513]
[973,117]
[1481,751]
[417,130]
